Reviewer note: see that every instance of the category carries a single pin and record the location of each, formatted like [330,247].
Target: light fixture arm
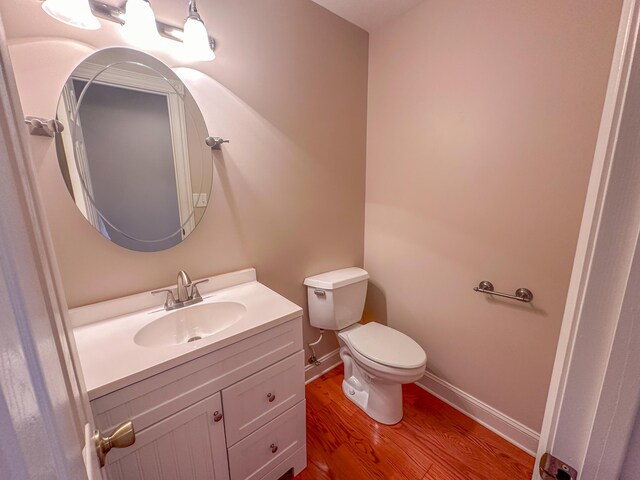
[193,11]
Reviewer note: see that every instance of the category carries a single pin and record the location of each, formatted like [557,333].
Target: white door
[595,386]
[44,409]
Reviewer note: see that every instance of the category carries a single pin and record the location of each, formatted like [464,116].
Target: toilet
[377,359]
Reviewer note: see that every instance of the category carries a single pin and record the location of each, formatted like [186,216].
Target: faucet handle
[170,301]
[194,288]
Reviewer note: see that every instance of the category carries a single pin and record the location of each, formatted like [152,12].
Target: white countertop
[111,360]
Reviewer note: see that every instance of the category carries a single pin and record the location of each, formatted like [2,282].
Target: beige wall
[482,121]
[288,88]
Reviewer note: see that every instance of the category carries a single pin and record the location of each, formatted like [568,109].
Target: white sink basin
[144,341]
[190,324]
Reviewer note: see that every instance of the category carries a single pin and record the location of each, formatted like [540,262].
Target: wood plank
[433,441]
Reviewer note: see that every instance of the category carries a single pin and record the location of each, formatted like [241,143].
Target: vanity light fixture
[139,24]
[196,39]
[76,13]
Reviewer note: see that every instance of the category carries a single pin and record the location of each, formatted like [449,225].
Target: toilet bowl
[377,359]
[375,368]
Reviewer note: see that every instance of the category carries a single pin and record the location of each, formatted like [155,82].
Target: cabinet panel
[149,401]
[257,455]
[189,444]
[254,401]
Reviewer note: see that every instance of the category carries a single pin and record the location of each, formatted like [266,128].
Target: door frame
[44,407]
[595,385]
[76,155]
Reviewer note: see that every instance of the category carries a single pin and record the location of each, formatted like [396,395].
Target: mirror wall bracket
[116,15]
[43,127]
[215,142]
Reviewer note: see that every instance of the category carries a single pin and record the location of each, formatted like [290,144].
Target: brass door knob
[123,436]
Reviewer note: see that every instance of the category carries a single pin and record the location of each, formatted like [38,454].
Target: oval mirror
[133,153]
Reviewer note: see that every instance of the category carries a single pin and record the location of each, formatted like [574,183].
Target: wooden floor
[433,441]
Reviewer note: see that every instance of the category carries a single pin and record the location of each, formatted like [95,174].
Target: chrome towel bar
[522,294]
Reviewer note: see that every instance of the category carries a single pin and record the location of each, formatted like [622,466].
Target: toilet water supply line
[313,359]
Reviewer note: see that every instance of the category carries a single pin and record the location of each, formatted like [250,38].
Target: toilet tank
[336,298]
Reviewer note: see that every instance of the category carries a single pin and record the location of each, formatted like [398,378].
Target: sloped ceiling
[368,14]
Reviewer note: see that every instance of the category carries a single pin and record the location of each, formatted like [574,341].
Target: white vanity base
[232,409]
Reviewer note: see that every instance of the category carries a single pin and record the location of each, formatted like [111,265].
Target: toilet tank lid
[337,278]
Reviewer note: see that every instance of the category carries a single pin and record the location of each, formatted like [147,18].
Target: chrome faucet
[183,283]
[186,292]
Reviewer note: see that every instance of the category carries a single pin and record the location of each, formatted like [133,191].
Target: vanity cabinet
[236,413]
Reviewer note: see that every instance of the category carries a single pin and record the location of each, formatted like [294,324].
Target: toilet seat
[386,346]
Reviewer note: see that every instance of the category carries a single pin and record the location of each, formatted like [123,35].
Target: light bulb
[76,13]
[140,24]
[196,41]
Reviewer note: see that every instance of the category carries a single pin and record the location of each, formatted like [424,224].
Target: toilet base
[380,400]
[384,407]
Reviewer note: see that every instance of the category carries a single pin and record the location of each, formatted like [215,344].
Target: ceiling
[368,14]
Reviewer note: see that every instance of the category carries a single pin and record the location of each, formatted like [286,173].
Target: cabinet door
[189,444]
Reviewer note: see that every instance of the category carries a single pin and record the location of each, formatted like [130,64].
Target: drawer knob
[217,416]
[271,397]
[274,448]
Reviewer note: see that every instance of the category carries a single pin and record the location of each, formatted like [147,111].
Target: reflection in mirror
[133,156]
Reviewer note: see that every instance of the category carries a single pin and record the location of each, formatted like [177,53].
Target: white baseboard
[327,362]
[511,430]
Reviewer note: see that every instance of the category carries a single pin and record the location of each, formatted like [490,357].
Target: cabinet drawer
[157,397]
[256,400]
[257,454]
